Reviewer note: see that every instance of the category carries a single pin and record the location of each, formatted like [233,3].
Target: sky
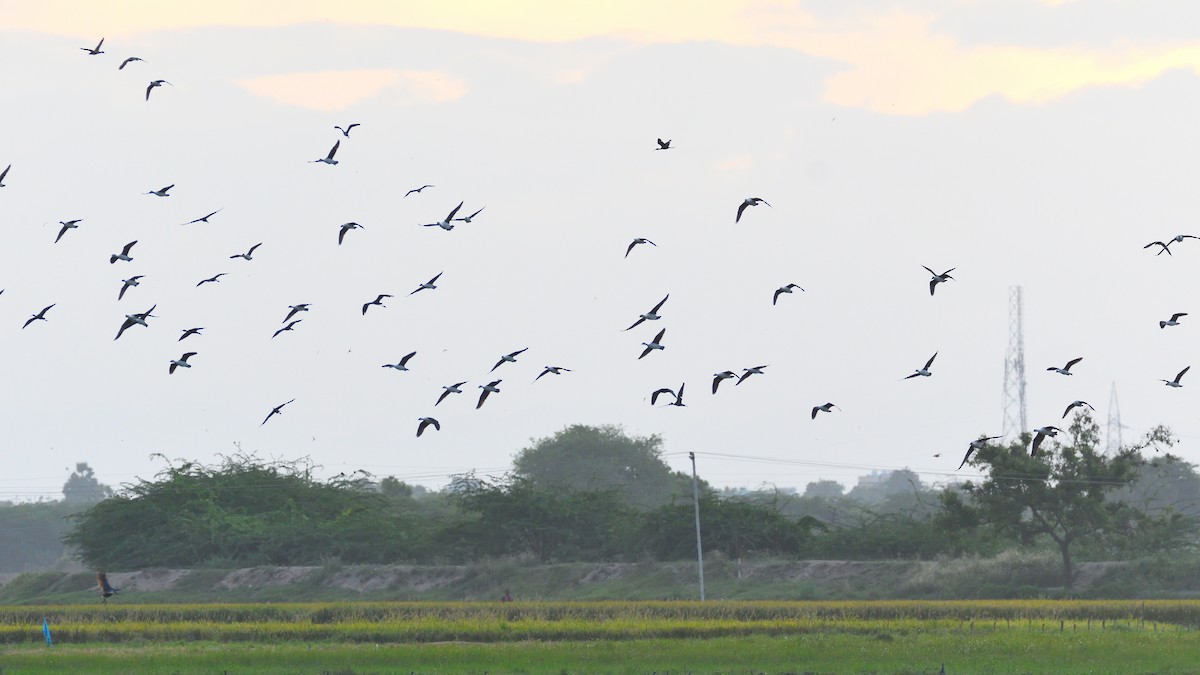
[1031,143]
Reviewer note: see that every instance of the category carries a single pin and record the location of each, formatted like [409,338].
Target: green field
[609,637]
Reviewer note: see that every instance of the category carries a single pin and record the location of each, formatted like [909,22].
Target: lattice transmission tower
[1014,370]
[1112,436]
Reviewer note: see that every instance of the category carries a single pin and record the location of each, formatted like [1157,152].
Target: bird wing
[636,324]
[1180,375]
[482,398]
[815,410]
[658,338]
[654,396]
[5,172]
[451,216]
[408,356]
[128,322]
[342,234]
[716,383]
[740,209]
[519,352]
[1175,317]
[930,361]
[1072,362]
[970,449]
[645,351]
[125,251]
[61,233]
[655,309]
[333,150]
[252,248]
[775,299]
[150,89]
[631,245]
[443,396]
[932,284]
[1069,409]
[434,280]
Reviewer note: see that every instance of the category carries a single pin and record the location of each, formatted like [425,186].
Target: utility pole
[1014,370]
[696,502]
[1112,436]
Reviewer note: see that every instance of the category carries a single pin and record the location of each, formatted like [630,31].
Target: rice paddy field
[1023,636]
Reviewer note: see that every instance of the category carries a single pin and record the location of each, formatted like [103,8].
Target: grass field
[609,637]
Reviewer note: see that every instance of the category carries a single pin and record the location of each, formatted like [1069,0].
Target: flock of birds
[448,223]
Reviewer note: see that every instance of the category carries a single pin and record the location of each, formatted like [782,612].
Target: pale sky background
[1023,142]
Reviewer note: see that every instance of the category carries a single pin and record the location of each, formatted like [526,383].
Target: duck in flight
[938,278]
[431,284]
[277,410]
[346,131]
[492,387]
[211,280]
[106,589]
[128,61]
[924,371]
[188,332]
[346,227]
[290,326]
[328,159]
[1065,370]
[447,223]
[721,376]
[784,289]
[1165,247]
[552,370]
[161,192]
[425,422]
[126,284]
[203,219]
[639,240]
[452,389]
[1075,404]
[824,407]
[417,190]
[652,315]
[1040,435]
[472,216]
[1175,383]
[123,255]
[975,445]
[510,357]
[1173,321]
[40,316]
[181,362]
[656,343]
[67,225]
[295,309]
[756,370]
[377,301]
[749,201]
[94,51]
[135,320]
[153,84]
[403,363]
[248,254]
[663,145]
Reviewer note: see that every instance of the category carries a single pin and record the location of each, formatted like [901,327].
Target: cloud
[332,90]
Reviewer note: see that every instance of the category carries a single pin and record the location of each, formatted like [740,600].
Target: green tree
[83,487]
[586,459]
[1060,494]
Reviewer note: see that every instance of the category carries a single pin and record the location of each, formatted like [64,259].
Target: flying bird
[938,278]
[492,387]
[40,316]
[511,357]
[294,309]
[123,255]
[203,219]
[425,422]
[346,131]
[3,174]
[417,190]
[181,362]
[126,284]
[447,223]
[1040,434]
[1173,321]
[785,289]
[428,284]
[190,332]
[1065,370]
[277,410]
[663,145]
[723,375]
[656,343]
[129,61]
[639,240]
[153,84]
[756,370]
[1164,247]
[1172,383]
[749,201]
[328,159]
[924,371]
[290,326]
[212,280]
[825,407]
[470,217]
[1074,405]
[67,225]
[93,51]
[162,192]
[106,589]
[134,320]
[402,365]
[975,445]
[652,315]
[552,370]
[346,227]
[452,389]
[377,301]
[247,255]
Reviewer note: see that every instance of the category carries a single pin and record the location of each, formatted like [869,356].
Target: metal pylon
[1112,435]
[1014,370]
